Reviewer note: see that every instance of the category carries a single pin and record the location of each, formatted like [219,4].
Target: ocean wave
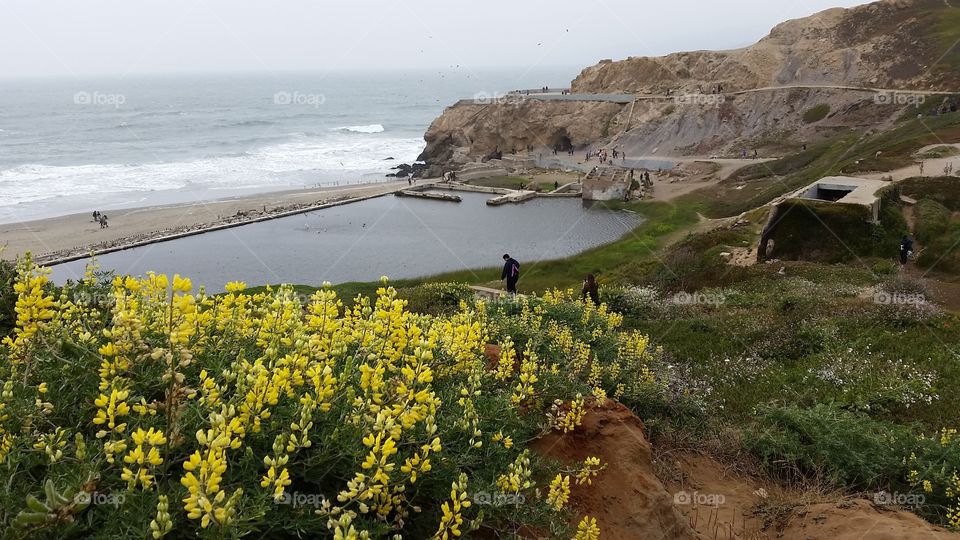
[372,128]
[279,165]
[249,123]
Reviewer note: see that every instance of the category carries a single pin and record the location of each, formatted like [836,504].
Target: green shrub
[829,232]
[8,297]
[932,220]
[817,113]
[944,189]
[933,468]
[436,298]
[847,449]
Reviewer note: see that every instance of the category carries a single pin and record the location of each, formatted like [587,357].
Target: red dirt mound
[627,499]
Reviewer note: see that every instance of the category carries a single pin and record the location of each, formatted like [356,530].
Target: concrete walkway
[627,98]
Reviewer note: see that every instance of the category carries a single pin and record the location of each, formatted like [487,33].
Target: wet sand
[61,238]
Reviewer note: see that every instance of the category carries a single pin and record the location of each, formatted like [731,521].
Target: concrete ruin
[606,184]
[839,190]
[845,190]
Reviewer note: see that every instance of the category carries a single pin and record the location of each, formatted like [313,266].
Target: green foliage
[933,467]
[932,220]
[812,230]
[437,298]
[943,189]
[816,113]
[8,298]
[824,442]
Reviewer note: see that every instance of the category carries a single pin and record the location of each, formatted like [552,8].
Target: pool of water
[392,236]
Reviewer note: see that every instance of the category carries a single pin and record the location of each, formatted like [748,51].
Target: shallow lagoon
[397,237]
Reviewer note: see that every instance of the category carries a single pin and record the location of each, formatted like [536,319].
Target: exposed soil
[627,499]
[700,497]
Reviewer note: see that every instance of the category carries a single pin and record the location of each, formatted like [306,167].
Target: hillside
[810,79]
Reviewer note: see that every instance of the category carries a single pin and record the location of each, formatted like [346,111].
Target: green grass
[931,220]
[816,114]
[758,184]
[946,33]
[898,146]
[944,189]
[829,232]
[625,260]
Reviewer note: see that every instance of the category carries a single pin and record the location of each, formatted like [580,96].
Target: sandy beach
[62,238]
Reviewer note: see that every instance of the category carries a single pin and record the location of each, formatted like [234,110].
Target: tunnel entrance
[561,142]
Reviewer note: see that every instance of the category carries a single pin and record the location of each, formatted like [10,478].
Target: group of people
[101,219]
[511,273]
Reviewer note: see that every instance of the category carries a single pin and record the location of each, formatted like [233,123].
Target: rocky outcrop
[706,102]
[888,44]
[471,132]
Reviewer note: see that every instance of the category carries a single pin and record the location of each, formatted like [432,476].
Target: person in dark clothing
[906,249]
[591,289]
[511,273]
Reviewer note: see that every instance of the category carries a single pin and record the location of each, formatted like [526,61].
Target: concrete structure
[512,197]
[845,190]
[606,184]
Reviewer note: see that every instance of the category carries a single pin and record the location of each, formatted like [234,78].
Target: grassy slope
[618,260]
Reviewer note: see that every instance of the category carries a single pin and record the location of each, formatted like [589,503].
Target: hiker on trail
[906,249]
[96,216]
[556,185]
[591,290]
[921,168]
[511,273]
[103,221]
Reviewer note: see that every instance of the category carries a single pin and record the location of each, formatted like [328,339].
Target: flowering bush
[140,407]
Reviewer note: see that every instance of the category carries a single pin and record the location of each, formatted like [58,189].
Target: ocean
[78,145]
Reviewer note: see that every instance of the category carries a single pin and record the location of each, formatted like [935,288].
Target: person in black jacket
[906,249]
[591,290]
[511,273]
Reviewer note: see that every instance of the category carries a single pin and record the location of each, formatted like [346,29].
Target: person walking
[591,290]
[906,249]
[511,273]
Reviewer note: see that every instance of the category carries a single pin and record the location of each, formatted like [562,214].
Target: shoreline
[68,238]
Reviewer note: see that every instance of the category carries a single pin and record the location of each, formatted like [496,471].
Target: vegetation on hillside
[136,407]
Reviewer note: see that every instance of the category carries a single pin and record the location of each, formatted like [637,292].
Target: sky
[74,38]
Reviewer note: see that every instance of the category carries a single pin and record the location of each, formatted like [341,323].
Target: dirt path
[931,167]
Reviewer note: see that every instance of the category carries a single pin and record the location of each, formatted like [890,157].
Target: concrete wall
[604,190]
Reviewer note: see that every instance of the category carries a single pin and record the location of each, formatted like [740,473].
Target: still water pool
[396,237]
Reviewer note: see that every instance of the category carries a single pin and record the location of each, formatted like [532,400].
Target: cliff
[771,91]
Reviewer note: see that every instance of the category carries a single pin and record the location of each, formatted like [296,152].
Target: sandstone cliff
[768,91]
[889,44]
